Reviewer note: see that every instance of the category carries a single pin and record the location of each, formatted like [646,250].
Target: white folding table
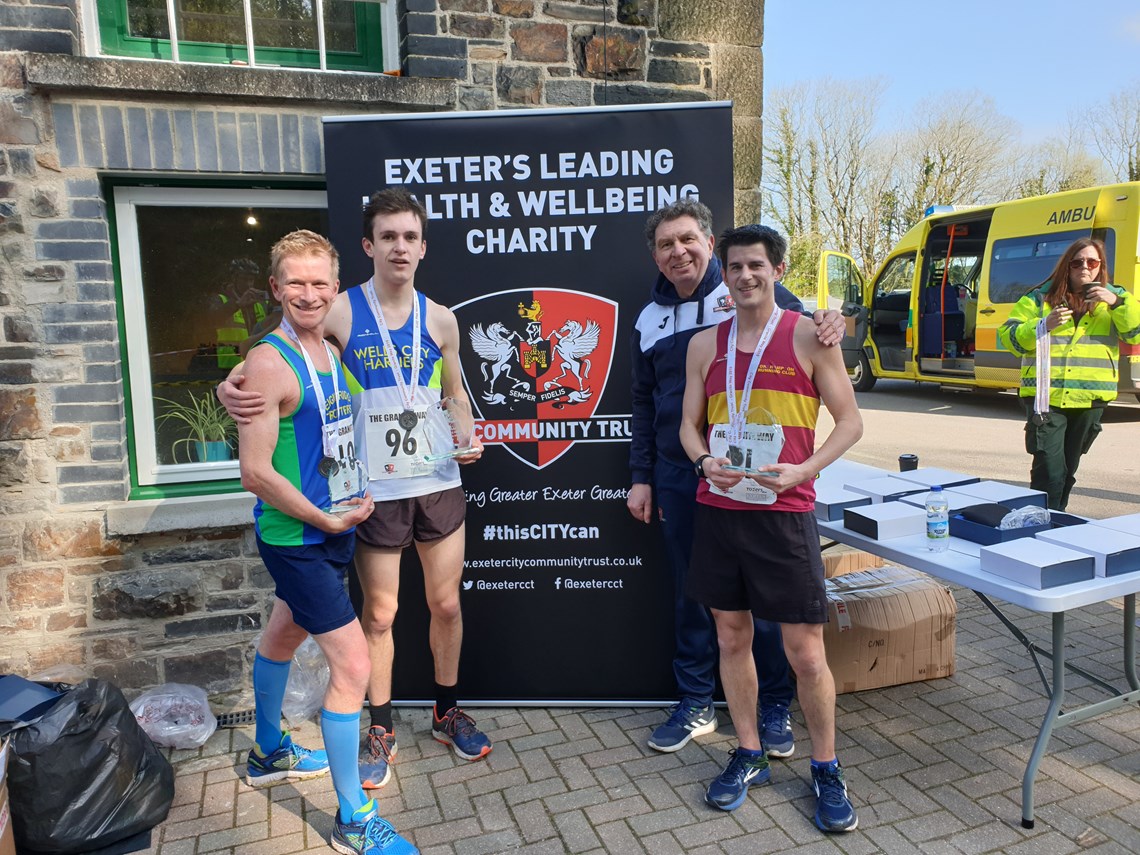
[961,566]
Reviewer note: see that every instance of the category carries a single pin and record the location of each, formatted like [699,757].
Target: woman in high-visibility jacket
[1084,319]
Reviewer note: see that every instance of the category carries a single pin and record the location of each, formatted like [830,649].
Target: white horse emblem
[495,346]
[573,345]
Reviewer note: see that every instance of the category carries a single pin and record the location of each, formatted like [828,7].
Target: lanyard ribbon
[737,416]
[1044,369]
[328,441]
[407,392]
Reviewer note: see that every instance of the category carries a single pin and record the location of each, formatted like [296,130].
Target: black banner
[536,241]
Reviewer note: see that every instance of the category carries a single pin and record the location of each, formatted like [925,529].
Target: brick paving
[933,767]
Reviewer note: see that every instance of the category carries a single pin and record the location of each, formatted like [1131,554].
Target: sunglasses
[1082,263]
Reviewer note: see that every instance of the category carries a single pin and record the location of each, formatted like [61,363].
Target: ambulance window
[1020,264]
[843,282]
[898,276]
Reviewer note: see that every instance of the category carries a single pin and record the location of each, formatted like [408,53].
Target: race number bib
[759,445]
[346,476]
[395,451]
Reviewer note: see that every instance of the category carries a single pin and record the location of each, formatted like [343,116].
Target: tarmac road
[983,434]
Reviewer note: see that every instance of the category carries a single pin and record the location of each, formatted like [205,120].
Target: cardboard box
[987,534]
[1037,564]
[886,520]
[888,489]
[1114,552]
[831,501]
[841,560]
[934,477]
[955,500]
[23,700]
[7,835]
[1004,494]
[888,626]
[1129,524]
[842,471]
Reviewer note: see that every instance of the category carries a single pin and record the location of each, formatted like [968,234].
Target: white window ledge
[154,516]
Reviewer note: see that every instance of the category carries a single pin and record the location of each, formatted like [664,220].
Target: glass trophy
[448,430]
[759,445]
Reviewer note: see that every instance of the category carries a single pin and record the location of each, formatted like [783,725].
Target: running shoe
[686,720]
[458,730]
[368,834]
[376,758]
[730,788]
[289,762]
[776,731]
[833,811]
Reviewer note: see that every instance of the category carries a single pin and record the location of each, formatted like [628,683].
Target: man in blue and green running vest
[401,355]
[310,497]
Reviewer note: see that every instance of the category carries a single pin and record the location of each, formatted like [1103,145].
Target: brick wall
[179,596]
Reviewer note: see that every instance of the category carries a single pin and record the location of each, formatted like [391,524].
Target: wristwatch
[699,463]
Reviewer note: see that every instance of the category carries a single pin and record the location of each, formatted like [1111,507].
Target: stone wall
[172,590]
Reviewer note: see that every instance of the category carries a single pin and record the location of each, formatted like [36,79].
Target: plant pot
[210,452]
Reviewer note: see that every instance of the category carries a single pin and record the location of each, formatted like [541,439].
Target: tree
[1115,133]
[824,171]
[956,154]
[1058,163]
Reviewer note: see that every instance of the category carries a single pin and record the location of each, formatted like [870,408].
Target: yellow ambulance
[933,309]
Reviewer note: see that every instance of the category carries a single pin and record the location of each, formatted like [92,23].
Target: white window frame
[150,472]
[389,34]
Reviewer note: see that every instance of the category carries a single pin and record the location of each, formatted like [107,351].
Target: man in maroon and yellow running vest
[752,393]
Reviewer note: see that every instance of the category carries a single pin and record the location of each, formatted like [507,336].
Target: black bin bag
[84,775]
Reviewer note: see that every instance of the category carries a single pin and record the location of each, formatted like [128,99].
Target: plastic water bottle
[937,521]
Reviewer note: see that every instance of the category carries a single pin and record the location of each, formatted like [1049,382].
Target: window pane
[1019,265]
[842,282]
[276,23]
[899,276]
[205,281]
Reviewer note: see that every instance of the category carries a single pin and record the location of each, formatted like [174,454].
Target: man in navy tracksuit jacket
[688,296]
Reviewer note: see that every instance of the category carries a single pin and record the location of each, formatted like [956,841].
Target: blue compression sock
[269,679]
[342,738]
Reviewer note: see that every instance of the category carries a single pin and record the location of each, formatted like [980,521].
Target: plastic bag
[308,681]
[84,774]
[1025,517]
[73,675]
[175,715]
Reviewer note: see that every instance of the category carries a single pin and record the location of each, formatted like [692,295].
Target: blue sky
[1039,61]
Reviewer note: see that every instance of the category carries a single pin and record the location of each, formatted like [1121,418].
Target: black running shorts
[765,562]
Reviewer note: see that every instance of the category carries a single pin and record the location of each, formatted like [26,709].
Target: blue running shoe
[833,811]
[368,834]
[686,720]
[289,762]
[458,730]
[376,758]
[776,731]
[730,788]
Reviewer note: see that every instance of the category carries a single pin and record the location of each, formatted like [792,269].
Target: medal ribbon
[407,392]
[737,415]
[328,443]
[1044,369]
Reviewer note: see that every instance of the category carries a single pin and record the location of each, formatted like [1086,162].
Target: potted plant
[210,426]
